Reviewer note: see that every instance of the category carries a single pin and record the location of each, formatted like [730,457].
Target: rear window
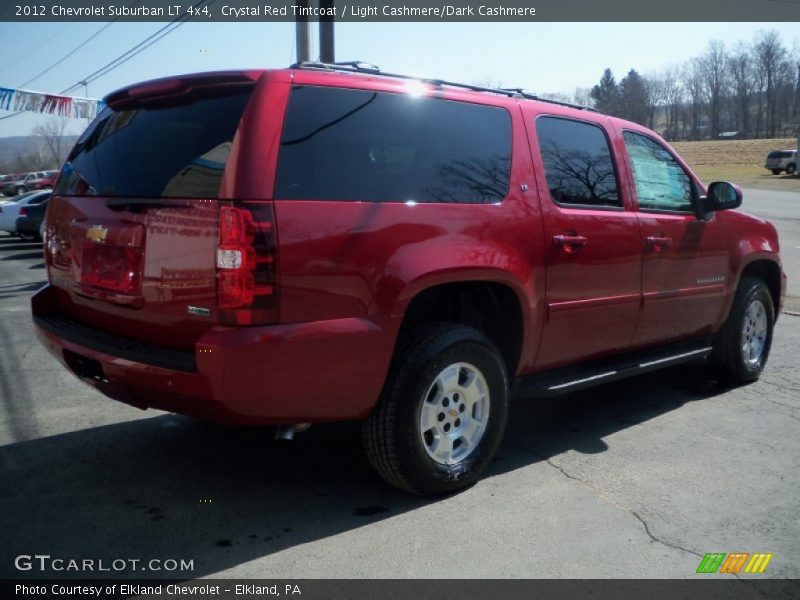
[173,151]
[341,144]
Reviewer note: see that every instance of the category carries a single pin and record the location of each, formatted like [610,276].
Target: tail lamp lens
[246,265]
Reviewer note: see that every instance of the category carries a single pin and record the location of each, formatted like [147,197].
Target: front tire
[742,346]
[442,412]
[790,169]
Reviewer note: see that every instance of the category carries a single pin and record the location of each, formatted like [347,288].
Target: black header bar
[207,11]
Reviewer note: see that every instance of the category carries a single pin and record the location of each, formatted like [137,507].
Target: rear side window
[577,162]
[340,144]
[781,154]
[172,151]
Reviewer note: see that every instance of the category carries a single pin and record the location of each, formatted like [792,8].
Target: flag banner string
[51,104]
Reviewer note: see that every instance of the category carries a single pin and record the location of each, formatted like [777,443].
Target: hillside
[10,147]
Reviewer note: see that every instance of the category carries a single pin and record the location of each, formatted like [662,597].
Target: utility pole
[303,33]
[326,41]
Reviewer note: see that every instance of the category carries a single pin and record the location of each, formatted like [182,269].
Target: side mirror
[723,195]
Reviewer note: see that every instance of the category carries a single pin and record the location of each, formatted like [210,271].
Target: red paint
[590,282]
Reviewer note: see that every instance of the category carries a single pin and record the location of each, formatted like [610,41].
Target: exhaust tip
[286,432]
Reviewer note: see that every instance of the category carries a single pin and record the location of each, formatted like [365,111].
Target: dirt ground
[739,161]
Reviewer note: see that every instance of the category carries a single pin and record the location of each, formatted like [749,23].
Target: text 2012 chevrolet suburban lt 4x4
[325,243]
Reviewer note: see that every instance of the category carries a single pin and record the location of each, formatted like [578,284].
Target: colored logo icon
[719,562]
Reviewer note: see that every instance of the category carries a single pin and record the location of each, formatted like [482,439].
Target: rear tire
[776,171]
[742,346]
[442,412]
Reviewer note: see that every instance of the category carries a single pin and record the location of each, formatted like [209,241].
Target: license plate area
[111,267]
[108,260]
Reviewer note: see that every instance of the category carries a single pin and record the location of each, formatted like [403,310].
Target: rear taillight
[23,212]
[246,264]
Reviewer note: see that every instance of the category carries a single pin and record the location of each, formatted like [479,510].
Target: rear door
[685,259]
[132,230]
[593,253]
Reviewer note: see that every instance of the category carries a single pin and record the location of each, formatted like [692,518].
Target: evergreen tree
[606,94]
[633,98]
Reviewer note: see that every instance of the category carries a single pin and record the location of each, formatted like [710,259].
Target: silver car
[782,160]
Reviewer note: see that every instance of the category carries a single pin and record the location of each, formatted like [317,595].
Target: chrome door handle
[570,244]
[659,243]
[569,240]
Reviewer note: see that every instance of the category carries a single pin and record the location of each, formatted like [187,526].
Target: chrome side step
[571,379]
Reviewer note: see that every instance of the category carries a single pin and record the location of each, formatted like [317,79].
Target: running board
[572,379]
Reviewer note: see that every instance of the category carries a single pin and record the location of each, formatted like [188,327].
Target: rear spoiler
[182,89]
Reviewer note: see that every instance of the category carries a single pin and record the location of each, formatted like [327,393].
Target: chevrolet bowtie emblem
[96,233]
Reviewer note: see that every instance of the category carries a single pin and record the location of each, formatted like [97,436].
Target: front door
[685,259]
[593,255]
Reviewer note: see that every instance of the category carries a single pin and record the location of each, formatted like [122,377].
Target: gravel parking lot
[636,479]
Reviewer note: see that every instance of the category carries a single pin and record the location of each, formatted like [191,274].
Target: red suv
[326,242]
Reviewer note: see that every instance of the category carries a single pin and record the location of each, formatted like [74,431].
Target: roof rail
[357,66]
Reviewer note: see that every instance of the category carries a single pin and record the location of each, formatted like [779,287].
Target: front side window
[661,182]
[577,162]
[341,144]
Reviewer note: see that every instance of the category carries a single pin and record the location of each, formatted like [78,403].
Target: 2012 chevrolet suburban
[327,243]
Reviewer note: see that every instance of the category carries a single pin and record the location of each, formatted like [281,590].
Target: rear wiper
[130,203]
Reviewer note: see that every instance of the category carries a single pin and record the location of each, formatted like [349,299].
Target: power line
[140,47]
[70,53]
[78,47]
[126,56]
[14,61]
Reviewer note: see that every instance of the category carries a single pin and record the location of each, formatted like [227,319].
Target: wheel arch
[769,271]
[492,307]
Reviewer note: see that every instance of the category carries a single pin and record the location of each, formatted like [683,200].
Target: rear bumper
[280,374]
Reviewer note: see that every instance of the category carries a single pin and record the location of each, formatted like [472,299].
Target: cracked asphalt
[635,479]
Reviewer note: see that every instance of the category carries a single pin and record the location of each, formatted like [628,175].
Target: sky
[541,57]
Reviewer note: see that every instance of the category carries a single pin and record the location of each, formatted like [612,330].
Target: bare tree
[51,135]
[557,96]
[673,99]
[583,96]
[743,83]
[693,84]
[713,72]
[654,96]
[770,55]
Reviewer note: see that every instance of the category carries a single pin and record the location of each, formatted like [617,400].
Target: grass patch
[738,161]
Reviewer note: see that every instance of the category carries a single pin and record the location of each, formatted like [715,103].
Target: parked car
[23,182]
[7,187]
[9,211]
[779,161]
[323,243]
[29,225]
[45,180]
